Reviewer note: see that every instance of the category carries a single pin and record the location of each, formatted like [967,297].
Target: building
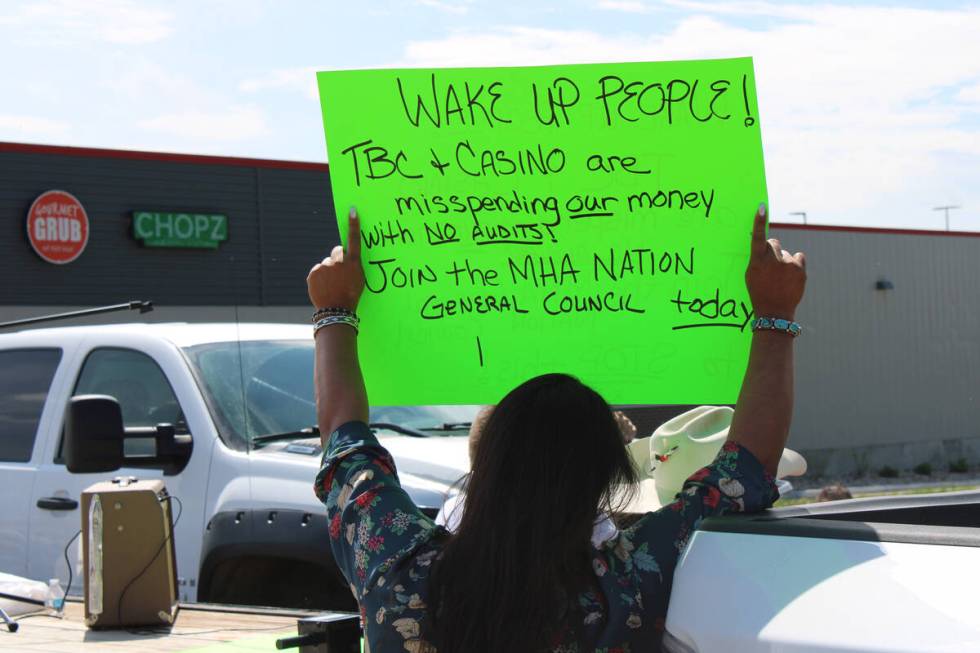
[888,368]
[195,264]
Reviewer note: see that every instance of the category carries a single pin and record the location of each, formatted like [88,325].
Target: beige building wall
[887,376]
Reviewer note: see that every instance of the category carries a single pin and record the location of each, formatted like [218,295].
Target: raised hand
[775,278]
[338,280]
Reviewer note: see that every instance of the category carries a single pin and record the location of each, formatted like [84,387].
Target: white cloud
[970,94]
[449,6]
[204,115]
[301,79]
[126,76]
[769,9]
[515,46]
[32,127]
[628,6]
[235,124]
[70,21]
[854,115]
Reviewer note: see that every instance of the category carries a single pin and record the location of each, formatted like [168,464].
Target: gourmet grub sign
[57,227]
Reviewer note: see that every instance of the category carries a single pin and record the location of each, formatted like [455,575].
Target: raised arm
[775,280]
[337,282]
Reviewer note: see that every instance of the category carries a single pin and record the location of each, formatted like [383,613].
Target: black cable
[24,599]
[180,511]
[157,630]
[20,599]
[70,568]
[31,615]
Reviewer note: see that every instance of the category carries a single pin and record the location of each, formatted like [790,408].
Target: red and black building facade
[279,218]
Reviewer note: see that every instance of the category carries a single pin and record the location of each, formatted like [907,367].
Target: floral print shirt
[385,547]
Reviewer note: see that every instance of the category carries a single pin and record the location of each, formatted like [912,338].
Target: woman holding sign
[521,574]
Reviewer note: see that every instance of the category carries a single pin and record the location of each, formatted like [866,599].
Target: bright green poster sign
[590,219]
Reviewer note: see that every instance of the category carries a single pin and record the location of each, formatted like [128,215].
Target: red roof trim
[200,159]
[873,230]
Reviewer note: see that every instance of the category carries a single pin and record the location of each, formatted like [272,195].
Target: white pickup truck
[236,397]
[896,574]
[888,575]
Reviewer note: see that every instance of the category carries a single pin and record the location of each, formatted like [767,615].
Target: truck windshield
[256,388]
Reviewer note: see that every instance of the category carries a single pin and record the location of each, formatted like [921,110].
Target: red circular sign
[57,227]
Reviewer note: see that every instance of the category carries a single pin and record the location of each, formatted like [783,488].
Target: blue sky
[870,111]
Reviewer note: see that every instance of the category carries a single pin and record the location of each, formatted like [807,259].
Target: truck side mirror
[93,434]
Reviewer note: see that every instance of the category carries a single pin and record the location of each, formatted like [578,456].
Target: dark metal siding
[298,229]
[291,209]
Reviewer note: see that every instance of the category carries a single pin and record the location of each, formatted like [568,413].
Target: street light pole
[946,210]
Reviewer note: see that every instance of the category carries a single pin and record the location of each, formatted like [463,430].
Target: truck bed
[218,628]
[879,575]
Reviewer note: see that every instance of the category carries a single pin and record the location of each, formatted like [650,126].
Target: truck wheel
[276,582]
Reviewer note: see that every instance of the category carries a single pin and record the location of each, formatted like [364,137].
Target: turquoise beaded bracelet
[777,324]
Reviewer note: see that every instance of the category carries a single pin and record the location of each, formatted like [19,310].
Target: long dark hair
[550,456]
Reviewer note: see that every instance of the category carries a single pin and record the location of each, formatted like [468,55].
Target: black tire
[276,582]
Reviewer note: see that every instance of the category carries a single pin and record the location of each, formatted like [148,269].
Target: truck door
[146,398]
[25,379]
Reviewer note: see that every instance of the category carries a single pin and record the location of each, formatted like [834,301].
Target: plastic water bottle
[56,596]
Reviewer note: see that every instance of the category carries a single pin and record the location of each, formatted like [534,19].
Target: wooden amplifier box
[128,554]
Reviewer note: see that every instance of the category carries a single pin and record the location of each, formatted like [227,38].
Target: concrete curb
[859,490]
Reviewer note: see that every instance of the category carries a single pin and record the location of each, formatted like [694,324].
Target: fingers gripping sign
[353,236]
[338,280]
[775,278]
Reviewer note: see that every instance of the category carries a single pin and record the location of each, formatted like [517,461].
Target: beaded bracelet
[350,320]
[777,324]
[331,310]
